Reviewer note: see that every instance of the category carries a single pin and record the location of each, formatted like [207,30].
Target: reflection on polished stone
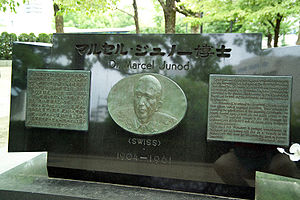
[24,176]
[182,152]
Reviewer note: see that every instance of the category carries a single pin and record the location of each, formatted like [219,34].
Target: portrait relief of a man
[147,101]
[143,114]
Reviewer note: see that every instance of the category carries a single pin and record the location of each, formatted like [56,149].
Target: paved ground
[5,76]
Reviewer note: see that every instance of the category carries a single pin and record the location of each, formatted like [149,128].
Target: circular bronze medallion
[146,104]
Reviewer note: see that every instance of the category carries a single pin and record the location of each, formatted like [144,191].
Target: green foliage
[116,18]
[13,37]
[24,37]
[261,15]
[159,28]
[43,37]
[222,27]
[7,40]
[181,25]
[9,4]
[86,7]
[151,30]
[108,20]
[51,37]
[244,15]
[120,19]
[158,18]
[32,37]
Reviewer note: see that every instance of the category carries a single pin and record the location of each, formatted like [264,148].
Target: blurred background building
[35,16]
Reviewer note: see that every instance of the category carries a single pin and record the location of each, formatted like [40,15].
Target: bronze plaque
[147,104]
[58,99]
[252,109]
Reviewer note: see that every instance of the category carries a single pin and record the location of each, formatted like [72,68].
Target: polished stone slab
[182,157]
[11,161]
[268,186]
[28,180]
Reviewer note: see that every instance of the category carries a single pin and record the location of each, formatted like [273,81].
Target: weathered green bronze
[57,99]
[252,109]
[147,104]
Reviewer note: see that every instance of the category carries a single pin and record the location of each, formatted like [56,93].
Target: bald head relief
[147,97]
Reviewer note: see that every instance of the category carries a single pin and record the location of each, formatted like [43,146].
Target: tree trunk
[269,43]
[201,26]
[298,41]
[277,30]
[59,24]
[195,28]
[189,13]
[136,17]
[169,14]
[59,19]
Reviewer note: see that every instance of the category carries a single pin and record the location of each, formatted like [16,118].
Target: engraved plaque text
[57,99]
[253,109]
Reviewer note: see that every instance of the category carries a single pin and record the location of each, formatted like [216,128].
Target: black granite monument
[83,140]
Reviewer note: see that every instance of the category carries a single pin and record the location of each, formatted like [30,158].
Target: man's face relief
[146,97]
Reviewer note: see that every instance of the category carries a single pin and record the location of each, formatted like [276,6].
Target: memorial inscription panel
[252,109]
[57,99]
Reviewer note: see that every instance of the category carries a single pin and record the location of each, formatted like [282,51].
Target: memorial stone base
[25,177]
